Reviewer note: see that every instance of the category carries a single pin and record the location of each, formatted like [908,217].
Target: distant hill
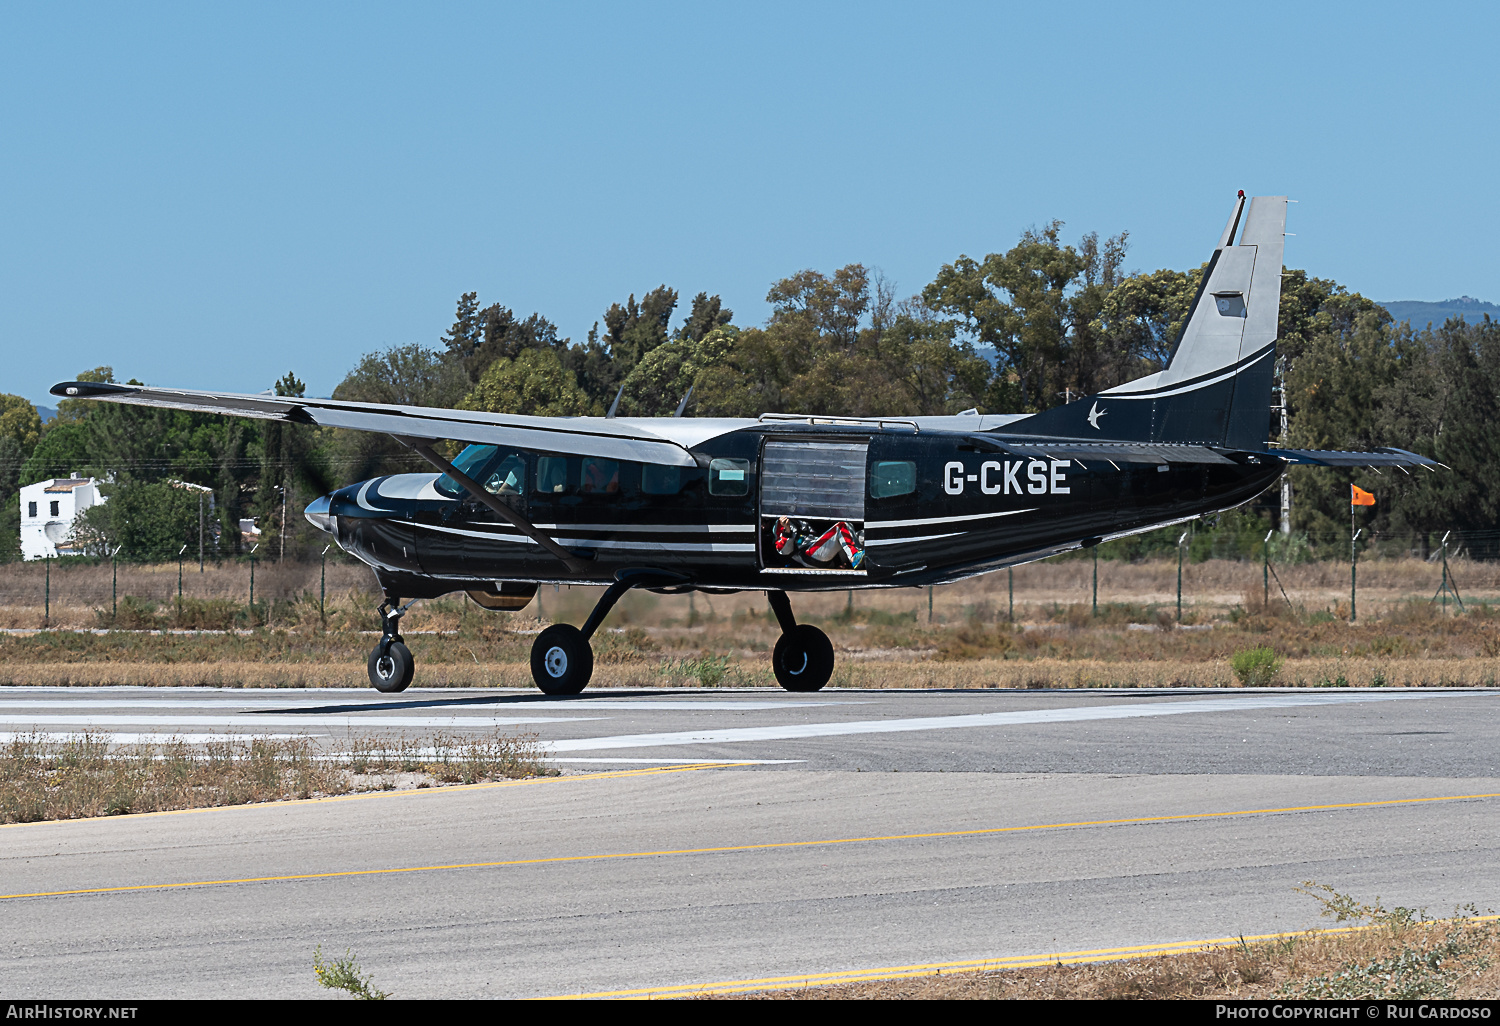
[46,413]
[1421,314]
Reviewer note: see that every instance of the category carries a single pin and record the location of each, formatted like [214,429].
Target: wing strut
[572,560]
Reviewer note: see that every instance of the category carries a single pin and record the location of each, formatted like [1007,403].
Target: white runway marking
[376,704]
[1073,714]
[307,721]
[136,739]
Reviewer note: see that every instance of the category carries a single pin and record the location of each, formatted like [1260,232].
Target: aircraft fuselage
[923,507]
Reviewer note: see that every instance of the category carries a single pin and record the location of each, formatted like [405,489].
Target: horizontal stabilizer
[1116,452]
[1338,458]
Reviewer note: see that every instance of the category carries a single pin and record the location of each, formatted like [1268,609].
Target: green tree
[534,383]
[708,313]
[20,421]
[631,330]
[63,449]
[480,337]
[293,471]
[1144,316]
[1039,305]
[832,305]
[148,520]
[663,378]
[20,431]
[409,375]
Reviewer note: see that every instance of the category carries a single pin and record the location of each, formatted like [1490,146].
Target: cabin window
[657,480]
[729,477]
[889,478]
[577,475]
[552,475]
[599,477]
[31,509]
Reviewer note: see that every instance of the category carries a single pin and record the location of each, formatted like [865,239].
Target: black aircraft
[789,503]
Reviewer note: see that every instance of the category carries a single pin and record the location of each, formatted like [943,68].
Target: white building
[48,510]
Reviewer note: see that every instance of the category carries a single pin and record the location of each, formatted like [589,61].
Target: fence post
[1265,569]
[1448,587]
[1180,540]
[1096,578]
[1353,571]
[1445,573]
[179,580]
[323,586]
[1010,574]
[114,586]
[929,603]
[252,583]
[47,595]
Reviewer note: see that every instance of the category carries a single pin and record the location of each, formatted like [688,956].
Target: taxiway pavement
[702,837]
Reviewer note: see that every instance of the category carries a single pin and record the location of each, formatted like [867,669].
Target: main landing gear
[391,665]
[803,658]
[562,661]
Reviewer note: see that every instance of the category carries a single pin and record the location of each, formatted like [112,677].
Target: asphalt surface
[704,837]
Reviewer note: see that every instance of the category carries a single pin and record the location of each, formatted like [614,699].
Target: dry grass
[884,638]
[86,775]
[1398,954]
[287,594]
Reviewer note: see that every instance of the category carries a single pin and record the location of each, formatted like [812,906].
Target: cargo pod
[812,508]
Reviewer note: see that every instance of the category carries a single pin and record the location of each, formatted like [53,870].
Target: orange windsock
[1360,497]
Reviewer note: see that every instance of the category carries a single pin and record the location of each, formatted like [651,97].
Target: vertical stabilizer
[1216,387]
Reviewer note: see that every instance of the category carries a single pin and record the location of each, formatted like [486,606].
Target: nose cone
[317,514]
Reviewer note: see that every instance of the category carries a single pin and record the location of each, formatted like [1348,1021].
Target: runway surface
[714,836]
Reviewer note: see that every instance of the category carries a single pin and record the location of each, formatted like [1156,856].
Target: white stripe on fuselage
[594,543]
[925,521]
[872,543]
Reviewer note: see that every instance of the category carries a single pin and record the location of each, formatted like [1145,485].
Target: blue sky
[209,195]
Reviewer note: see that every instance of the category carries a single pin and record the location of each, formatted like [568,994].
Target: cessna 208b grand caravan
[788,503]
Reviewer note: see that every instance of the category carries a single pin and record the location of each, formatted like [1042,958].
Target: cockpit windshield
[473,462]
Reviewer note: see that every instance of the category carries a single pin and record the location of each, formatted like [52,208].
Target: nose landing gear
[391,665]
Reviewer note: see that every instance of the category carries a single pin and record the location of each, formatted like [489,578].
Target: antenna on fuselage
[683,405]
[616,404]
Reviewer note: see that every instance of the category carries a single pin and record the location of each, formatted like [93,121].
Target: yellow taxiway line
[979,965]
[729,848]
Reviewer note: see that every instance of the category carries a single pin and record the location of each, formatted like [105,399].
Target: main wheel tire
[803,659]
[392,670]
[561,660]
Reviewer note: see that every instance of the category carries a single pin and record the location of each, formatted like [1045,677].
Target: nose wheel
[391,666]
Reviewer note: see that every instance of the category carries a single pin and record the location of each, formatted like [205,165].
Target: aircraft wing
[582,436]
